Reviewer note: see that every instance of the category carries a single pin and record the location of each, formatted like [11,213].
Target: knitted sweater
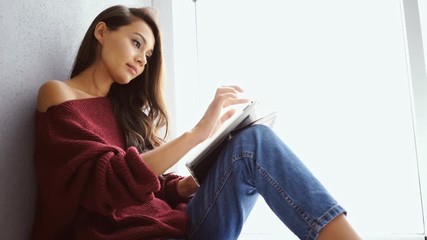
[91,187]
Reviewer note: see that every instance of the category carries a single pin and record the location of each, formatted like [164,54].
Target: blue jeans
[256,162]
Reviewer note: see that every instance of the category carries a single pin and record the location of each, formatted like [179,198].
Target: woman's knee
[257,131]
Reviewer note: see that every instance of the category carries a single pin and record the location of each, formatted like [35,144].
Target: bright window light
[336,73]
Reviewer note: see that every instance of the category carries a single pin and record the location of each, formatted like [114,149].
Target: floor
[263,224]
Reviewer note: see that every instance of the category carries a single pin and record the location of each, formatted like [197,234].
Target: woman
[100,160]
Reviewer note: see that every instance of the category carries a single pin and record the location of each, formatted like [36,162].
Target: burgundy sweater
[91,187]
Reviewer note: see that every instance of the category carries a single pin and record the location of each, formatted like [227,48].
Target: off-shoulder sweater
[90,186]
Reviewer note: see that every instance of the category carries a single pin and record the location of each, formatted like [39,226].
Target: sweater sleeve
[169,192]
[80,166]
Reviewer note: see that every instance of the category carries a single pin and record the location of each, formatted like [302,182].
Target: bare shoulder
[53,92]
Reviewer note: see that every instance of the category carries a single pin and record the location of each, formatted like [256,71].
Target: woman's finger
[227,115]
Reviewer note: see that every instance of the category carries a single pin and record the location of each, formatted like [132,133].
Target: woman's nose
[141,60]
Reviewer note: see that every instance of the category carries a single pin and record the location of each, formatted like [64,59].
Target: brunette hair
[139,105]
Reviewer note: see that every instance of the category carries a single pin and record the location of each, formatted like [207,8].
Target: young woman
[100,159]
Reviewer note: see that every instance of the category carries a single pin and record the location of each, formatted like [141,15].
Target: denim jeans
[256,162]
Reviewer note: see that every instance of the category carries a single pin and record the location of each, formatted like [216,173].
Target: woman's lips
[133,69]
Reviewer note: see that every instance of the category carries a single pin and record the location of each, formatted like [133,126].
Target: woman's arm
[165,156]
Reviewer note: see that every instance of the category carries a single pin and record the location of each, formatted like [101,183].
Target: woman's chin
[123,81]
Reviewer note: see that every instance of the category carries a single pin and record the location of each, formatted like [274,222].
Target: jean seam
[285,196]
[241,156]
[244,154]
[225,177]
[317,225]
[212,201]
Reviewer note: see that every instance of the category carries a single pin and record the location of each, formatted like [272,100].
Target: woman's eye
[136,43]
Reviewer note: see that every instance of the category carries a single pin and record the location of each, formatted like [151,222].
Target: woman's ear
[100,30]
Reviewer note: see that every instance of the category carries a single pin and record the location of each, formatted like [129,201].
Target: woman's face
[124,52]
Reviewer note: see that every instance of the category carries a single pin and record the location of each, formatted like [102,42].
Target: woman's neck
[92,81]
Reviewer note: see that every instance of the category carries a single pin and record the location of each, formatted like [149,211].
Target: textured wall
[38,41]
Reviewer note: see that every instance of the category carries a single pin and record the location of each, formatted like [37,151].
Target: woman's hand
[165,156]
[187,186]
[211,121]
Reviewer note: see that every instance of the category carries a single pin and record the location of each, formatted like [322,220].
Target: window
[337,73]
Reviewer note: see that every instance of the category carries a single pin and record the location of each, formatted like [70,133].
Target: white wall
[38,41]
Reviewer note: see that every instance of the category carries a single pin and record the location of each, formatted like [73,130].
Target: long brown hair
[139,105]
